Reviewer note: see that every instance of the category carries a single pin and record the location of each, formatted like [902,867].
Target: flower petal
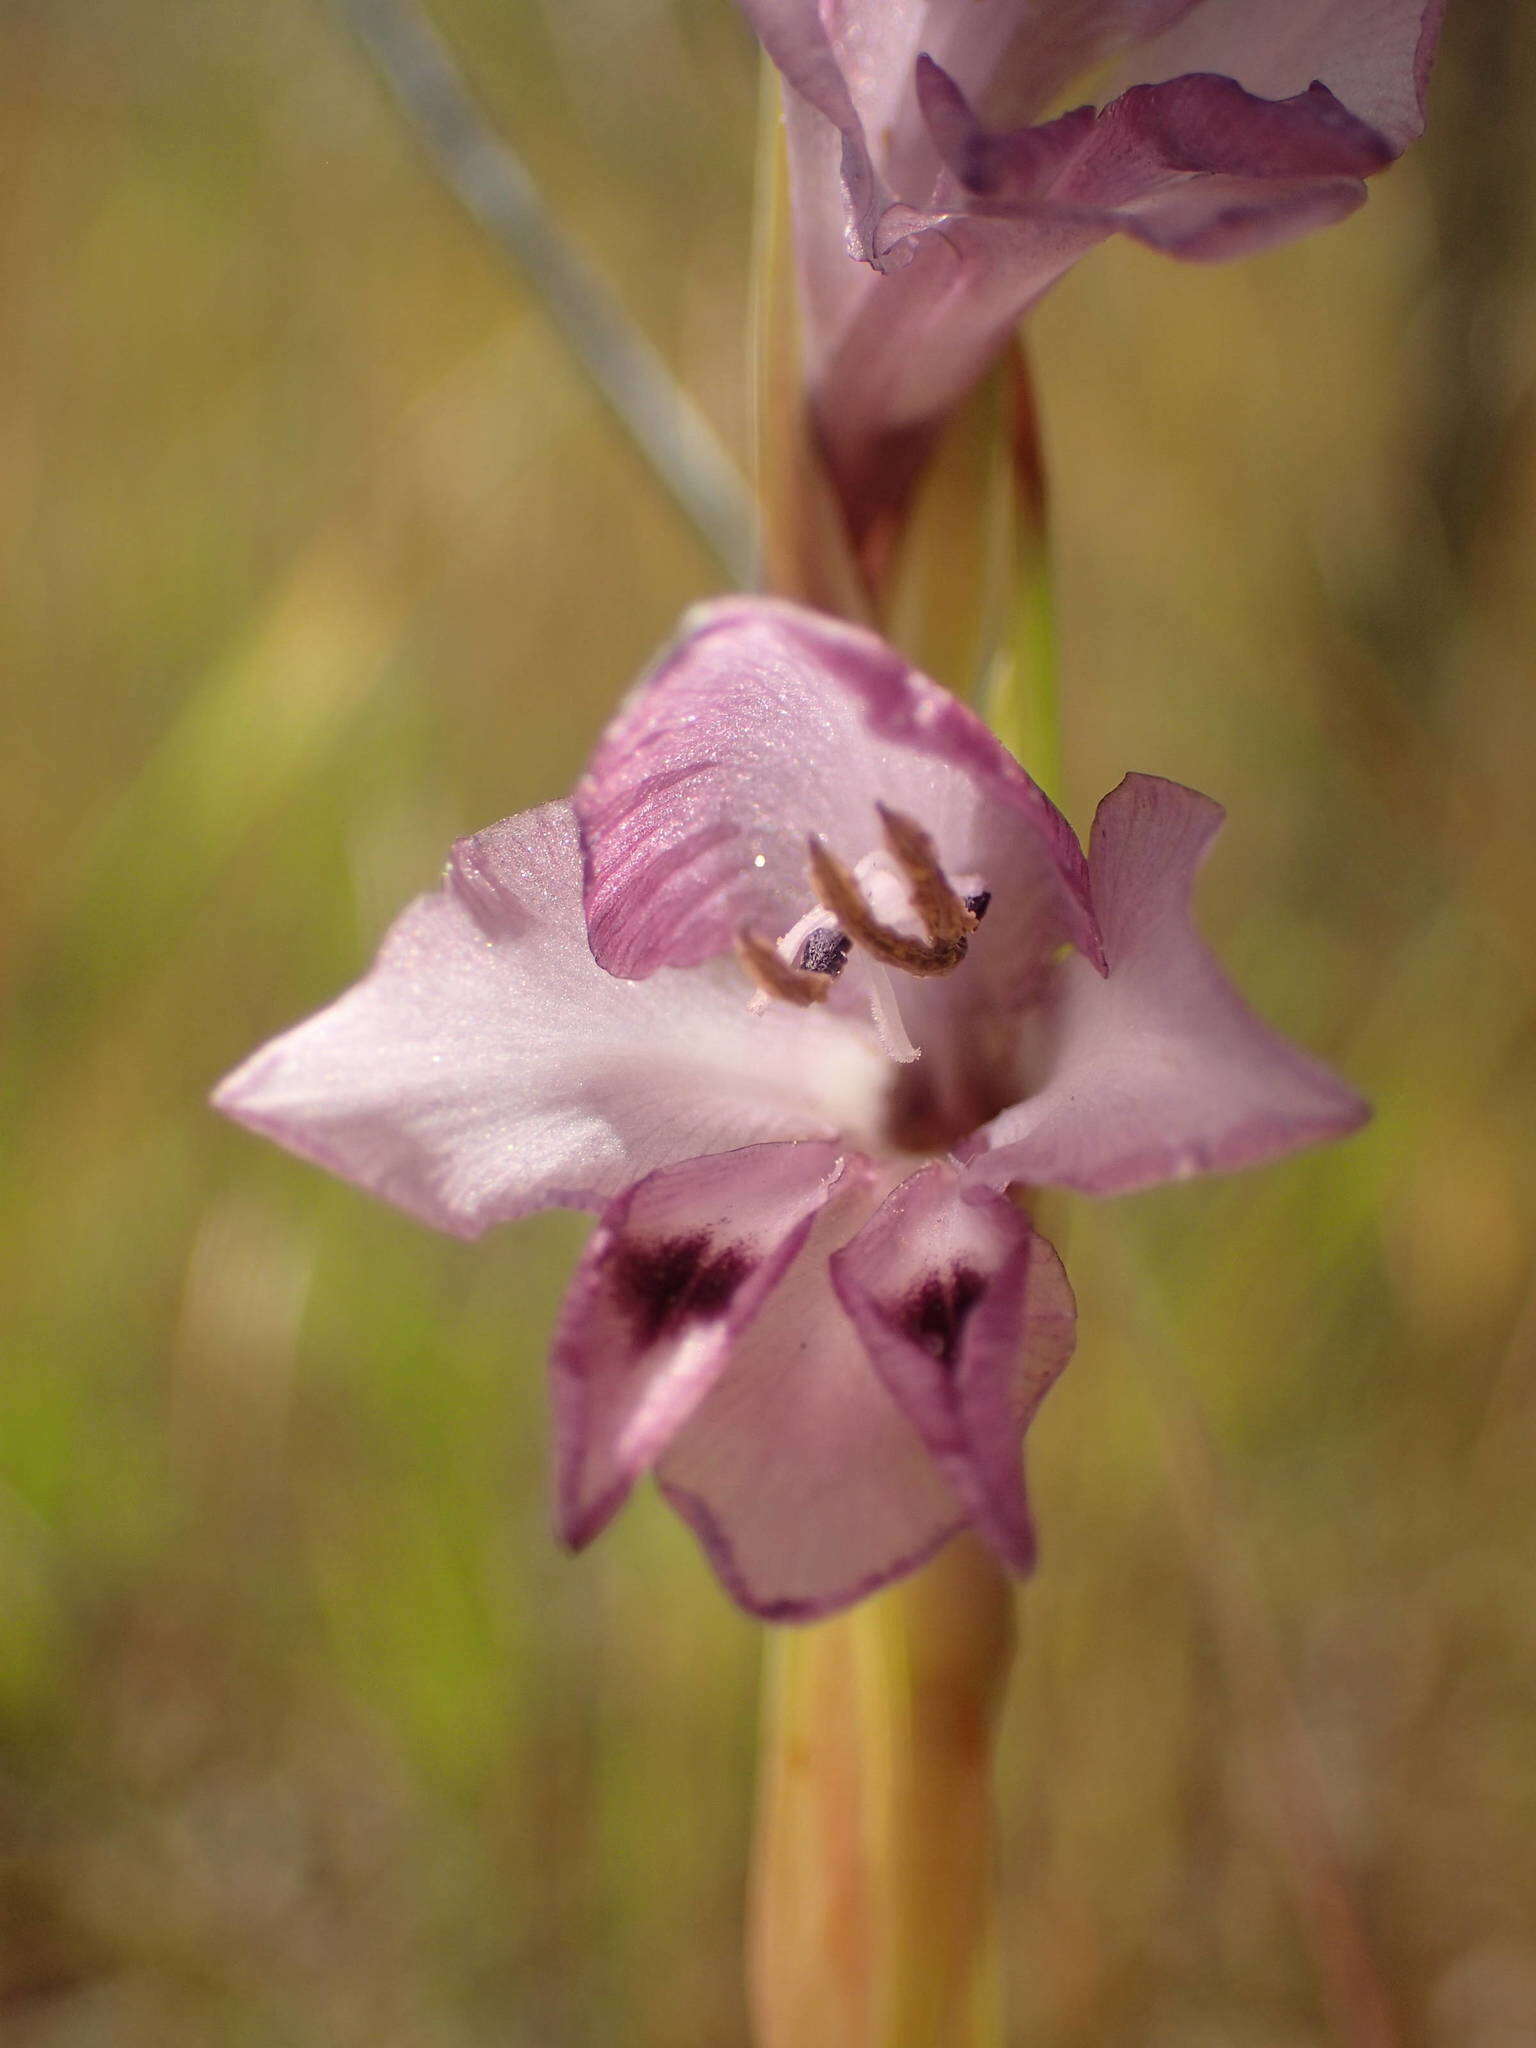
[1214,219]
[1375,56]
[913,342]
[1201,122]
[850,71]
[676,1270]
[765,723]
[486,1066]
[1015,61]
[804,1481]
[795,36]
[1159,1070]
[888,357]
[836,183]
[1195,167]
[853,63]
[1201,169]
[968,1318]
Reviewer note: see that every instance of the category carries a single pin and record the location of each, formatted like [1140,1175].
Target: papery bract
[811,1305]
[920,146]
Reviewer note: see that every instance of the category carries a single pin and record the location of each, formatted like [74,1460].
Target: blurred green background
[318,552]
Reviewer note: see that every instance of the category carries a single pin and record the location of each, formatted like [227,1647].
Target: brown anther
[774,975]
[837,891]
[933,898]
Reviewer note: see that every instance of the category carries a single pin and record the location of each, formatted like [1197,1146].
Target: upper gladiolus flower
[804,980]
[918,145]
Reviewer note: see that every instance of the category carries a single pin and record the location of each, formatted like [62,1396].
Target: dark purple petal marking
[966,1316]
[677,1280]
[678,1268]
[934,1313]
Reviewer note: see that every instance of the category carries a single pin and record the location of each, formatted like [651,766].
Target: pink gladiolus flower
[805,979]
[918,145]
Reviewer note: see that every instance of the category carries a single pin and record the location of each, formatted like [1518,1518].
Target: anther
[946,917]
[825,951]
[776,977]
[837,890]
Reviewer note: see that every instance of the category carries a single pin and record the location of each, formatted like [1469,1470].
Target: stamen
[946,917]
[775,976]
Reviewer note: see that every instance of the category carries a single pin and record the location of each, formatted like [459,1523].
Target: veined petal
[1013,61]
[675,1271]
[1159,1070]
[1374,56]
[1022,161]
[968,1318]
[1201,122]
[796,38]
[1214,219]
[1301,101]
[1201,169]
[766,723]
[853,62]
[802,1478]
[1195,167]
[486,1066]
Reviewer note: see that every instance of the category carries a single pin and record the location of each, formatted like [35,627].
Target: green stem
[873,1921]
[969,597]
[1022,699]
[1022,705]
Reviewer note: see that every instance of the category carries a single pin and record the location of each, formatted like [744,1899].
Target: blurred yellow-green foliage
[318,552]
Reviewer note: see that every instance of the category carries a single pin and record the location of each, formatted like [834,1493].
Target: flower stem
[1022,699]
[873,1910]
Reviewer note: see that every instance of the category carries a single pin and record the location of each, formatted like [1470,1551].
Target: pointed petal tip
[1160,1071]
[225,1095]
[578,1522]
[1265,1142]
